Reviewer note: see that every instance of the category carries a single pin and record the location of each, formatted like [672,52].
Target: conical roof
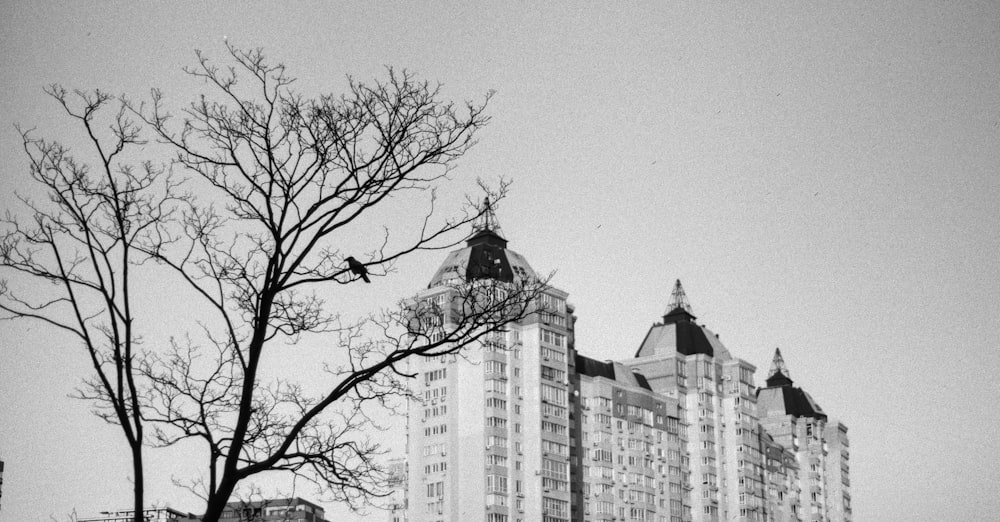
[679,333]
[780,395]
[678,301]
[778,376]
[485,256]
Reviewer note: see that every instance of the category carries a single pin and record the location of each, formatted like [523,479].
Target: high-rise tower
[522,428]
[717,410]
[488,429]
[820,446]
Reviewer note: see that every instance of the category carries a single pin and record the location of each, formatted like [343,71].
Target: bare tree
[287,179]
[84,239]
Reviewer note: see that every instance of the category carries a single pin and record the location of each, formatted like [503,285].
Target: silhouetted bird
[357,268]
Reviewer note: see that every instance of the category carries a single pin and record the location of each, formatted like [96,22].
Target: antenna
[678,299]
[487,219]
[778,365]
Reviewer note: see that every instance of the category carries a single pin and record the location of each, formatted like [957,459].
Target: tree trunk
[217,502]
[137,477]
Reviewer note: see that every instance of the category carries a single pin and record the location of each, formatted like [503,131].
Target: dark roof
[485,256]
[488,258]
[486,236]
[594,368]
[799,404]
[796,401]
[691,338]
[678,314]
[778,379]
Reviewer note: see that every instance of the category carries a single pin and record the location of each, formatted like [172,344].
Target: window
[435,375]
[555,508]
[554,319]
[496,483]
[493,402]
[496,385]
[435,489]
[434,449]
[495,367]
[549,446]
[552,427]
[553,374]
[552,303]
[553,410]
[553,338]
[549,354]
[553,394]
[551,484]
[496,460]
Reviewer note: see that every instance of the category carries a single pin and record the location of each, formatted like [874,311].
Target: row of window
[437,429]
[435,489]
[434,449]
[435,375]
[436,393]
[435,467]
[553,394]
[553,338]
[435,411]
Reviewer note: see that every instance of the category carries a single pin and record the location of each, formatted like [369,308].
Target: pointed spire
[679,308]
[487,220]
[678,299]
[778,364]
[778,376]
[486,228]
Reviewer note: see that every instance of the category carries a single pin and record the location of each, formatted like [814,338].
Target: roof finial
[778,365]
[487,219]
[678,299]
[778,376]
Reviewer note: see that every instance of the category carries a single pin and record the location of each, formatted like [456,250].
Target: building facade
[523,428]
[270,510]
[273,510]
[820,446]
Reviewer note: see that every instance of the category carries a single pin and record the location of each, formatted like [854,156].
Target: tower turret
[679,309]
[778,376]
[485,255]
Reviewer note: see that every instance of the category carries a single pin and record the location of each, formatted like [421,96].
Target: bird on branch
[357,268]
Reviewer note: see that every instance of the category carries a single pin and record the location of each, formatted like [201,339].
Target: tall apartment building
[524,429]
[717,409]
[820,446]
[489,432]
[629,463]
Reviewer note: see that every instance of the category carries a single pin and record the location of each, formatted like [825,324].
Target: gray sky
[821,176]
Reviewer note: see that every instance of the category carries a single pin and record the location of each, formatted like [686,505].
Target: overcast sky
[822,176]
